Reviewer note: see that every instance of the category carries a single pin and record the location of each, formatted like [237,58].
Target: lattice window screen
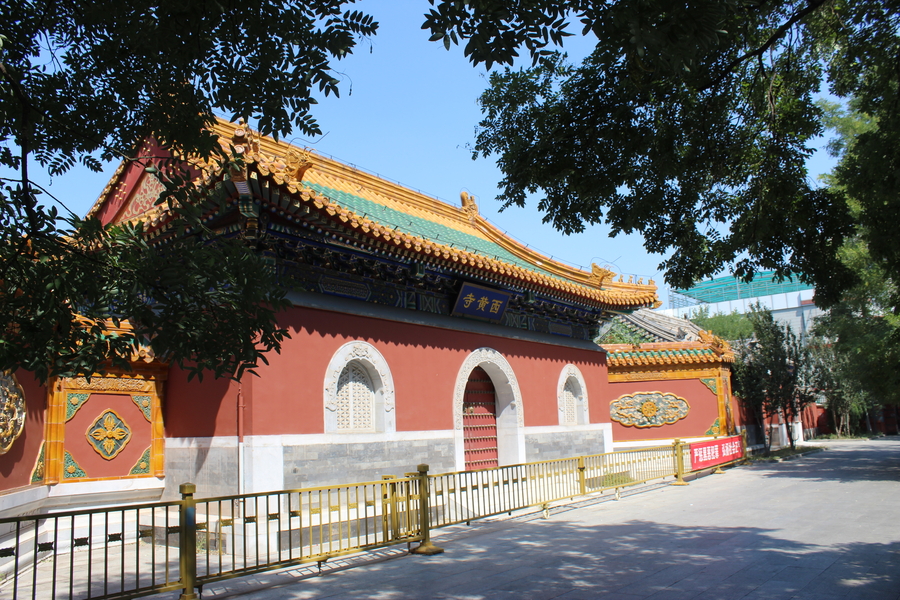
[570,403]
[355,399]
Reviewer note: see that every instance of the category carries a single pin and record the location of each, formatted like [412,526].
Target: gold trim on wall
[667,375]
[146,381]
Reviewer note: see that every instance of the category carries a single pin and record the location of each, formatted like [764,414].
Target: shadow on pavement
[636,559]
[870,460]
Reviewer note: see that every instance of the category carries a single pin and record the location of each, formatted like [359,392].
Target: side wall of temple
[287,423]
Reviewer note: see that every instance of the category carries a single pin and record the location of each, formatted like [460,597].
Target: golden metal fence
[628,467]
[239,535]
[118,552]
[130,551]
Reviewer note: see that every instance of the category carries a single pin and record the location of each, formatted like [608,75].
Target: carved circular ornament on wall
[648,409]
[12,411]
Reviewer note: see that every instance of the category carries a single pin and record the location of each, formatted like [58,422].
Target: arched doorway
[480,422]
[510,420]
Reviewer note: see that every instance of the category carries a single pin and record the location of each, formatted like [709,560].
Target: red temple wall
[201,408]
[703,411]
[17,464]
[424,361]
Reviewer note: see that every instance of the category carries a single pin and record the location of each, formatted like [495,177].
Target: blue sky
[408,112]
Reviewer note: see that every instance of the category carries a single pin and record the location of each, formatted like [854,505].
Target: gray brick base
[563,444]
[324,464]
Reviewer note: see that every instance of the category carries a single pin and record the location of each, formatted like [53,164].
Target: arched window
[355,400]
[572,397]
[570,402]
[359,391]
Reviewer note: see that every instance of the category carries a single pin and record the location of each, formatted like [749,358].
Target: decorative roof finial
[599,275]
[468,205]
[298,162]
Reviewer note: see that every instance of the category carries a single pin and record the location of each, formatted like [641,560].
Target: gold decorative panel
[12,411]
[142,466]
[648,409]
[72,470]
[144,198]
[37,474]
[109,434]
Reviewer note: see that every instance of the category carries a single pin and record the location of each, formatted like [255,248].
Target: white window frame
[367,357]
[572,375]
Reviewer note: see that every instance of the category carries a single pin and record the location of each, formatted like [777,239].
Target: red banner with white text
[715,452]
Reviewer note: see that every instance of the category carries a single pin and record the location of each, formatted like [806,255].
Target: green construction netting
[725,289]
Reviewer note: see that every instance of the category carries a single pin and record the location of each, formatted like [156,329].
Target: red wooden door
[480,421]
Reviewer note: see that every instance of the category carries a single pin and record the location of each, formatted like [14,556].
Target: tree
[771,373]
[749,386]
[620,333]
[834,377]
[82,82]
[860,334]
[691,124]
[731,327]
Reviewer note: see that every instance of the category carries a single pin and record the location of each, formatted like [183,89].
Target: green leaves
[731,327]
[84,82]
[206,305]
[771,374]
[96,77]
[691,124]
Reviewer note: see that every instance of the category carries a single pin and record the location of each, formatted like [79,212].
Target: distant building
[791,302]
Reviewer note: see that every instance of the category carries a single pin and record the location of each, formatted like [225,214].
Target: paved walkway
[822,527]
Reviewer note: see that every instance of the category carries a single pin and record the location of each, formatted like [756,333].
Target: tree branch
[811,7]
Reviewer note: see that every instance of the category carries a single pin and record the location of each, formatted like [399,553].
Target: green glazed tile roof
[424,228]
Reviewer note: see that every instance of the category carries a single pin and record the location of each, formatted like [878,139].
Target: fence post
[425,546]
[582,483]
[389,502]
[187,541]
[679,463]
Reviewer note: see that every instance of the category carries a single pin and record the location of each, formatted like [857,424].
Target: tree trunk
[789,417]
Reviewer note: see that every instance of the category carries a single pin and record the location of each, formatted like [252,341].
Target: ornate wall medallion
[648,409]
[109,434]
[12,411]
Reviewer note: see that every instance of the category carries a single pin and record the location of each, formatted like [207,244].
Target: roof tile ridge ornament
[469,206]
[717,345]
[242,146]
[599,275]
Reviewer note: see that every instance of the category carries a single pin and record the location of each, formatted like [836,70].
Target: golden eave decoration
[709,351]
[294,172]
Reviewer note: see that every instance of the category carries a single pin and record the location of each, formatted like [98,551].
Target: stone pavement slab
[823,527]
